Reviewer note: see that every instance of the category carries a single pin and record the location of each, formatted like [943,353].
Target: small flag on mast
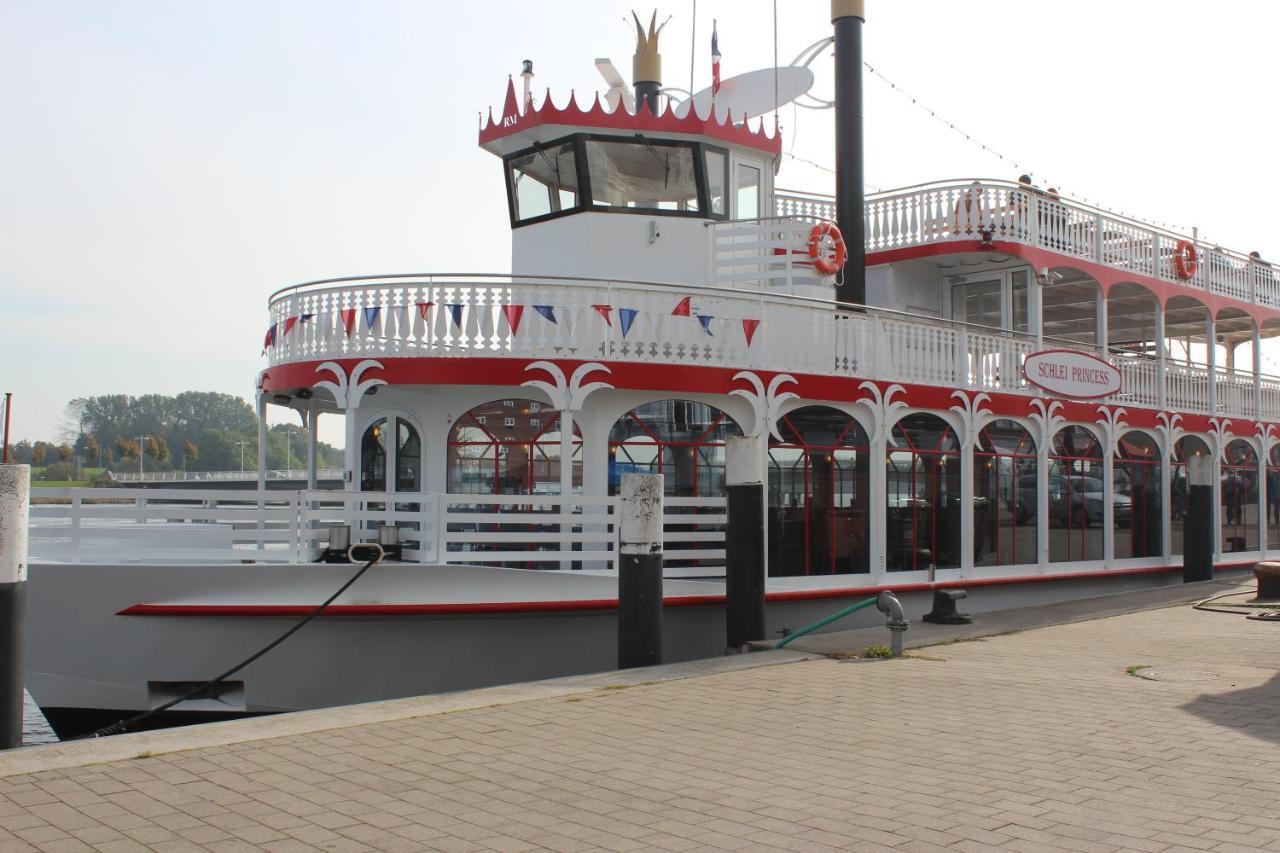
[715,61]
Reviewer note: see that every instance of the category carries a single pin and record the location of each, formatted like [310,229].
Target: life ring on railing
[1186,259]
[827,264]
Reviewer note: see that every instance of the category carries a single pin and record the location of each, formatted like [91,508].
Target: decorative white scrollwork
[1045,415]
[566,395]
[1111,420]
[1171,431]
[1222,433]
[974,415]
[348,390]
[884,409]
[766,402]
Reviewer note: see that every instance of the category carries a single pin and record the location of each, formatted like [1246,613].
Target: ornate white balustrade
[968,210]
[488,316]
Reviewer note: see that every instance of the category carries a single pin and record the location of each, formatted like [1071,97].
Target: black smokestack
[847,16]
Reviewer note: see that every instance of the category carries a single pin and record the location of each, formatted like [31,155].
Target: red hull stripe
[597,604]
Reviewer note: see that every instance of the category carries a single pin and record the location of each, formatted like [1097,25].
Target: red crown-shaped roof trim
[642,121]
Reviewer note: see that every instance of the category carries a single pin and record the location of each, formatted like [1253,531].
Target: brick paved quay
[1038,740]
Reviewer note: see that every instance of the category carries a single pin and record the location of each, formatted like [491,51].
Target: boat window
[643,175]
[748,201]
[1019,279]
[819,494]
[544,181]
[922,495]
[1006,495]
[978,303]
[373,458]
[680,439]
[1240,516]
[408,458]
[1185,448]
[520,458]
[1075,496]
[1136,510]
[718,180]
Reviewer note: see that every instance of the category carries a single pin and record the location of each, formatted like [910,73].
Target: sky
[166,165]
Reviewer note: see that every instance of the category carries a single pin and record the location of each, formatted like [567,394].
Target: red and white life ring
[827,264]
[1186,259]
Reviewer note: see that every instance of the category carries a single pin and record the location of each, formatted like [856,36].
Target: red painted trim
[1110,367]
[498,608]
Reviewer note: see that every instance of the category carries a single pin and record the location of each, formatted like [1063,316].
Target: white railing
[221,476]
[1002,211]
[198,526]
[771,254]
[870,344]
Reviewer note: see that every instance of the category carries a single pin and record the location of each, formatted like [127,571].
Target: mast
[847,17]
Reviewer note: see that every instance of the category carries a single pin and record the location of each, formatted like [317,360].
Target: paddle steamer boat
[969,383]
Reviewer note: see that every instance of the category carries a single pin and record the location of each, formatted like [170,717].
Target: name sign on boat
[1072,374]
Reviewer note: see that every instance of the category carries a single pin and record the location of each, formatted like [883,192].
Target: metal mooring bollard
[896,620]
[744,542]
[640,571]
[15,495]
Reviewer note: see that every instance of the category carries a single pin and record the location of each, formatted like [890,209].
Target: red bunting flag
[749,329]
[348,319]
[603,311]
[424,310]
[289,323]
[513,313]
[682,309]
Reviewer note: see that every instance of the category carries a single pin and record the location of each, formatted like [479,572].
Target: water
[34,728]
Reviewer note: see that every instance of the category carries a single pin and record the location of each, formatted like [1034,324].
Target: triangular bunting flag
[749,329]
[547,311]
[513,313]
[705,320]
[371,316]
[289,323]
[603,311]
[455,311]
[626,316]
[270,338]
[682,309]
[348,319]
[304,318]
[424,310]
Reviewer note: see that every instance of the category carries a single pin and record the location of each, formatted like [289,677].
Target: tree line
[191,431]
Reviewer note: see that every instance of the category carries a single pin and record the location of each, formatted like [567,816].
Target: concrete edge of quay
[80,753]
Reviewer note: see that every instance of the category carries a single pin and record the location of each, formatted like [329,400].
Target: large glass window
[818,494]
[1239,498]
[680,439]
[543,182]
[496,449]
[1273,498]
[1137,512]
[373,457]
[1075,492]
[979,303]
[643,174]
[1186,447]
[1005,489]
[923,495]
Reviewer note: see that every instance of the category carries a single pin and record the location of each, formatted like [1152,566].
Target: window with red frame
[1075,495]
[1138,515]
[681,439]
[1005,487]
[1273,498]
[495,449]
[1239,498]
[818,494]
[923,495]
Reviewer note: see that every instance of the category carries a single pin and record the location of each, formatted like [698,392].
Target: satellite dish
[751,94]
[618,89]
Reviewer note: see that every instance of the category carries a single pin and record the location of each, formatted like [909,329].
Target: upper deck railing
[546,318]
[1004,211]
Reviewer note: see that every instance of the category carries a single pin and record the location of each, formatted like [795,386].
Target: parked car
[1071,498]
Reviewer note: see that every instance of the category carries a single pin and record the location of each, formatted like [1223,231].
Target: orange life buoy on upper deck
[827,265]
[1186,260]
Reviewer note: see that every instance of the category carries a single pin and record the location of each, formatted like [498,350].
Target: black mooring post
[15,491]
[744,543]
[847,17]
[1198,521]
[640,571]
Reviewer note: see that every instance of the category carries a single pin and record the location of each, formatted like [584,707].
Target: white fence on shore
[202,526]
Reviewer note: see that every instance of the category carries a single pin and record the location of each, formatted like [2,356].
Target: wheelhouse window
[544,181]
[748,200]
[642,175]
[718,181]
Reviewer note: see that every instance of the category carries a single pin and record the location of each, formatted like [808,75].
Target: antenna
[527,73]
[618,88]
